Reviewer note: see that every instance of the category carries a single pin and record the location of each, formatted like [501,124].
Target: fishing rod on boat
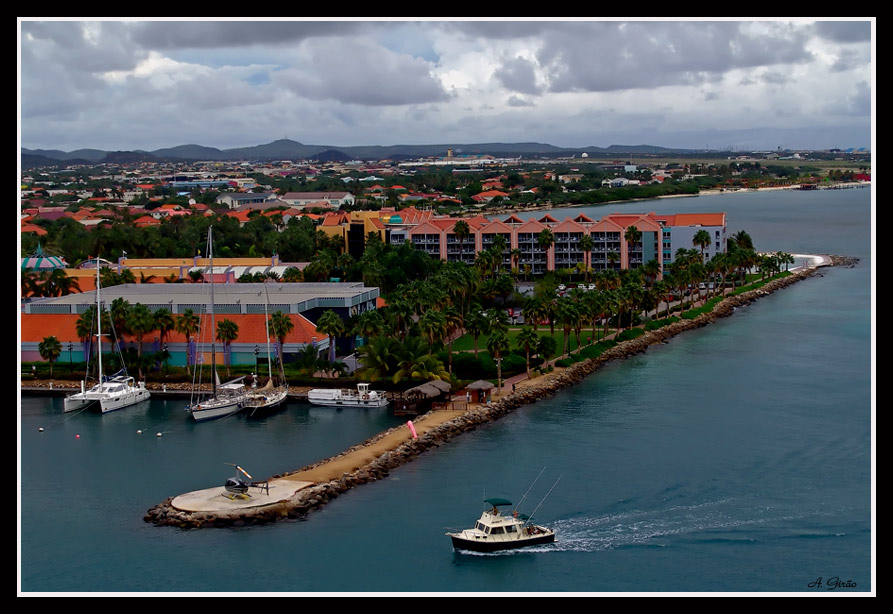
[544,498]
[517,507]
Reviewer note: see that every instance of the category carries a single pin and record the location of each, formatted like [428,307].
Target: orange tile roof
[703,219]
[33,228]
[35,327]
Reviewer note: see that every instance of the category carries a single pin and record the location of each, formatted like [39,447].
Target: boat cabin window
[511,529]
[480,527]
[498,530]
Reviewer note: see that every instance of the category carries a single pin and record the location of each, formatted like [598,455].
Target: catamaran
[110,393]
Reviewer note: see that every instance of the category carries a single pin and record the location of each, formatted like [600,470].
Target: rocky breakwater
[319,493]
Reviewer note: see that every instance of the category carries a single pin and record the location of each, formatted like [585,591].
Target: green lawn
[466,342]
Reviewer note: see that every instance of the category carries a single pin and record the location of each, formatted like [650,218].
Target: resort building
[246,304]
[549,244]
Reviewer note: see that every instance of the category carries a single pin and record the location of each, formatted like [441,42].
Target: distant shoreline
[710,192]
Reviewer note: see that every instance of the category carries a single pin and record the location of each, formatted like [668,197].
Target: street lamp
[256,352]
[70,348]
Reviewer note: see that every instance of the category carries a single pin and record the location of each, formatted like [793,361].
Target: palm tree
[651,271]
[586,245]
[50,349]
[566,316]
[227,332]
[141,321]
[292,275]
[58,283]
[453,321]
[497,345]
[633,237]
[545,239]
[84,328]
[378,357]
[462,232]
[331,324]
[546,347]
[187,325]
[476,324]
[535,311]
[279,326]
[432,324]
[527,340]
[415,361]
[164,323]
[702,240]
[120,313]
[515,255]
[369,324]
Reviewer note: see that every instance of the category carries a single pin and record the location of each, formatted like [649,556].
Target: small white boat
[339,397]
[495,531]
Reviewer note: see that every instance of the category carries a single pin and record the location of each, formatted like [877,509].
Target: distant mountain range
[285,149]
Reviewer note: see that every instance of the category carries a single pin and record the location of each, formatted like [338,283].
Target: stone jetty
[295,494]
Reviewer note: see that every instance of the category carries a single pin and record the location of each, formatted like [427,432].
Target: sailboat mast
[213,321]
[98,325]
[267,318]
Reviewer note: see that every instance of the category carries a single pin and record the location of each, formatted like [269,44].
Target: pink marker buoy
[412,429]
[77,436]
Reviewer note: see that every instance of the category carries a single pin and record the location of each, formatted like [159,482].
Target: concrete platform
[215,499]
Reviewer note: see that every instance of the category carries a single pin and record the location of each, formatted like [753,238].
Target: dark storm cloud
[73,46]
[518,75]
[844,31]
[358,72]
[214,34]
[617,56]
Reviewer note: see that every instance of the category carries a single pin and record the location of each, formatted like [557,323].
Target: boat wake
[723,521]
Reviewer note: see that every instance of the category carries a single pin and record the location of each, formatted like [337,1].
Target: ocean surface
[737,458]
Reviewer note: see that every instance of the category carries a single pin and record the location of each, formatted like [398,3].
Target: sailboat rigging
[113,392]
[270,395]
[225,399]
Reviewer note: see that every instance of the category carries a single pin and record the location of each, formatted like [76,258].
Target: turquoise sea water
[736,458]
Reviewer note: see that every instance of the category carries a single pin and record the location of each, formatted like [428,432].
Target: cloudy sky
[151,84]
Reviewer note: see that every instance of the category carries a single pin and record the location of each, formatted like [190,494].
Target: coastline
[315,485]
[711,192]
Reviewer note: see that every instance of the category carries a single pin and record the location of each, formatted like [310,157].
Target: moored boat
[114,392]
[495,531]
[339,397]
[224,399]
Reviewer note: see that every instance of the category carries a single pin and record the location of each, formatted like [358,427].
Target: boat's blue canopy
[497,502]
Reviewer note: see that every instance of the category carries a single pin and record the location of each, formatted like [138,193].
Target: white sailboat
[270,395]
[110,393]
[225,399]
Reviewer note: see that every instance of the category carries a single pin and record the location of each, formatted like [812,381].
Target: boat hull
[490,545]
[380,402]
[203,412]
[131,398]
[260,401]
[105,401]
